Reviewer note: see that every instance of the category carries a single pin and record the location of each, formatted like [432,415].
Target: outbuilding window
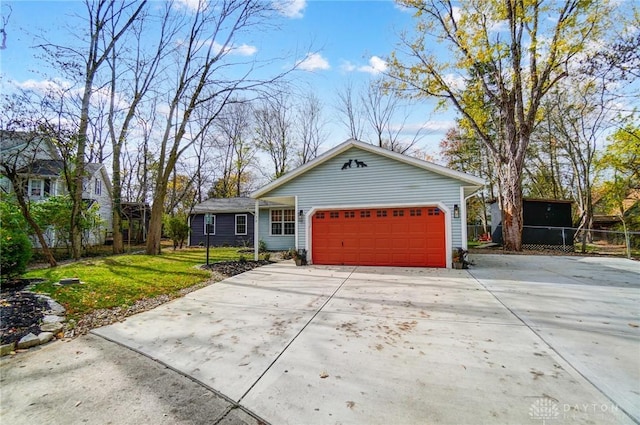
[241,224]
[283,222]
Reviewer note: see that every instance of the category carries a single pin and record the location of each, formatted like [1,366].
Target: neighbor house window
[36,187]
[241,224]
[209,224]
[283,222]
[97,187]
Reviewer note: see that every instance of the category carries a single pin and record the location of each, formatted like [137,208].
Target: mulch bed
[21,311]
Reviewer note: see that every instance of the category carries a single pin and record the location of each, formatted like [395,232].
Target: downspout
[256,231]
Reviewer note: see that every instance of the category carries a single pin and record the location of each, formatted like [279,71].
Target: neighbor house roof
[230,205]
[43,167]
[353,143]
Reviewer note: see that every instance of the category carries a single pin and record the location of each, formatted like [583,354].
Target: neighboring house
[608,218]
[38,163]
[547,224]
[359,204]
[228,221]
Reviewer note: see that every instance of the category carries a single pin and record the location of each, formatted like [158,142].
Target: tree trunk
[154,235]
[511,196]
[37,230]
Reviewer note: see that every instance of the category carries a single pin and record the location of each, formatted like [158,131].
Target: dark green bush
[15,252]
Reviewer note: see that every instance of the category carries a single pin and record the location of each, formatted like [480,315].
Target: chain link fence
[569,239]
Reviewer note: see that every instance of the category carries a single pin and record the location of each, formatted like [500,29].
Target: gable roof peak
[468,179]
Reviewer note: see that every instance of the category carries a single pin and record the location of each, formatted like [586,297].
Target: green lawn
[121,280]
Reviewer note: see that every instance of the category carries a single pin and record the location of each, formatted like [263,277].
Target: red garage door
[380,237]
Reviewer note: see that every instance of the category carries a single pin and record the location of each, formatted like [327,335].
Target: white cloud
[244,50]
[454,81]
[43,86]
[313,62]
[190,4]
[291,8]
[376,65]
[347,66]
[241,50]
[432,126]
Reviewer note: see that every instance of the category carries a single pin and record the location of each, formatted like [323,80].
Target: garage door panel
[391,236]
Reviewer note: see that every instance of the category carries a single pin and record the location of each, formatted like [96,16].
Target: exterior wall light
[301,213]
[456,211]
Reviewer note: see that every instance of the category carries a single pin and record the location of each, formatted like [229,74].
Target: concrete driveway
[320,345]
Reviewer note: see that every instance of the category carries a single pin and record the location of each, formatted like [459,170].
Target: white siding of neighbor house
[105,206]
[384,181]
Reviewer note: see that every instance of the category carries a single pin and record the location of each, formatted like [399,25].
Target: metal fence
[570,239]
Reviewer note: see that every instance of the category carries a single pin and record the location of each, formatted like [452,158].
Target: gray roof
[230,205]
[54,168]
[43,167]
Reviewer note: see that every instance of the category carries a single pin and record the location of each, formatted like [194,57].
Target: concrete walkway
[319,345]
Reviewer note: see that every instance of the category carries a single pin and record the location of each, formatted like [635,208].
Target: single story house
[359,204]
[228,222]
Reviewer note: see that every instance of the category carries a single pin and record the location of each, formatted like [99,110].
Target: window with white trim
[241,224]
[283,222]
[210,224]
[36,187]
[97,189]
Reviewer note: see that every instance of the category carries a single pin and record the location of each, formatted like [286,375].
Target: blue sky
[350,40]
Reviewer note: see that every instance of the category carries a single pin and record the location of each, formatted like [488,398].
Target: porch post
[256,232]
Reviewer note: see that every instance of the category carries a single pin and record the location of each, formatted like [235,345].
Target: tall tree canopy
[496,61]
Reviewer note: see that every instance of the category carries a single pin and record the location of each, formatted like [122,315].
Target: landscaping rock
[45,337]
[28,341]
[52,327]
[54,307]
[50,318]
[7,348]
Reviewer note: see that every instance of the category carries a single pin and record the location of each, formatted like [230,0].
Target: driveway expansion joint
[298,334]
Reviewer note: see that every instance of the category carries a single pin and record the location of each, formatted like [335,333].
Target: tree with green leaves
[621,165]
[497,62]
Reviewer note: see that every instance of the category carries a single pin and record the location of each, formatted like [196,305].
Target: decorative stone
[7,348]
[52,327]
[49,318]
[55,308]
[45,337]
[69,281]
[28,341]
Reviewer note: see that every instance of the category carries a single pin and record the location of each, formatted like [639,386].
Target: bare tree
[235,127]
[350,111]
[274,132]
[387,118]
[310,127]
[107,22]
[202,80]
[137,68]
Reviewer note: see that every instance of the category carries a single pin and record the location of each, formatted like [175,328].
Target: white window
[36,188]
[97,187]
[209,224]
[283,222]
[241,224]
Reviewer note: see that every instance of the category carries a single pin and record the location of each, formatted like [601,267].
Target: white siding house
[374,200]
[36,160]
